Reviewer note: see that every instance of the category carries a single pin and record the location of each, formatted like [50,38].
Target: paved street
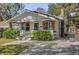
[52,48]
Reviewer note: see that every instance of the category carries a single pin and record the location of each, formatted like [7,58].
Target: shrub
[1,31]
[44,35]
[11,33]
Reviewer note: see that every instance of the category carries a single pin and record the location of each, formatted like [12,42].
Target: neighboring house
[31,20]
[74,16]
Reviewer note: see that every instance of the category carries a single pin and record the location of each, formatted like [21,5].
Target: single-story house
[31,20]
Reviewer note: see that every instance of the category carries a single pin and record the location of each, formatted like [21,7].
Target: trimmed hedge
[11,33]
[42,35]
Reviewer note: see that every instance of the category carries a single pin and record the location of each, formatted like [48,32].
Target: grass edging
[12,49]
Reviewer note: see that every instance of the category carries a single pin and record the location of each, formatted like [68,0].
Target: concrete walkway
[15,42]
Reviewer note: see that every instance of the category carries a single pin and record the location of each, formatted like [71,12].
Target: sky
[34,6]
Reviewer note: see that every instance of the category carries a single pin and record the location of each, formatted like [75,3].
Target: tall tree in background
[8,10]
[63,10]
[65,7]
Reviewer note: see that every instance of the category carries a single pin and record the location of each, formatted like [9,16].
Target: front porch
[28,27]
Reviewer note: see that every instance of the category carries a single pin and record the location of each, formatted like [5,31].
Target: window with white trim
[36,26]
[46,25]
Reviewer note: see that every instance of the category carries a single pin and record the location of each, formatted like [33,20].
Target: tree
[65,7]
[8,10]
[63,10]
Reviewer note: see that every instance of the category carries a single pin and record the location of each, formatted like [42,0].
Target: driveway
[59,47]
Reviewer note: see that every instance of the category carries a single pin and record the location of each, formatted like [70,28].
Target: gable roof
[28,15]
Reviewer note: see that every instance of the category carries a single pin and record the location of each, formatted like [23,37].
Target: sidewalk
[15,42]
[59,43]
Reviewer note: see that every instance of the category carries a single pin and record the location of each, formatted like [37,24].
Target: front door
[25,26]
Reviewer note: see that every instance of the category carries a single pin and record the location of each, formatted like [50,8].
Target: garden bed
[12,49]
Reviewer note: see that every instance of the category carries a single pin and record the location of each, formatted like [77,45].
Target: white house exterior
[31,20]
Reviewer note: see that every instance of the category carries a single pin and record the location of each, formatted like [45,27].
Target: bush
[44,35]
[1,31]
[11,33]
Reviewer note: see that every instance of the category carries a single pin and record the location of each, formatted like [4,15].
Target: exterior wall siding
[40,27]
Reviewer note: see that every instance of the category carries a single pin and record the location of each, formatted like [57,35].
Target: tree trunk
[62,22]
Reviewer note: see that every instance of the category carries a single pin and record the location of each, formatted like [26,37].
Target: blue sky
[34,6]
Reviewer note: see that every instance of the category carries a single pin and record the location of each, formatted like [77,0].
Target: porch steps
[24,36]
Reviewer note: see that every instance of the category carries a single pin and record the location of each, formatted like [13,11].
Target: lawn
[4,40]
[12,49]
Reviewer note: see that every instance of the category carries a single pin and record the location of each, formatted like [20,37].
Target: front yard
[8,35]
[12,49]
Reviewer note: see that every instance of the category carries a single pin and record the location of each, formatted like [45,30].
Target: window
[46,25]
[27,26]
[36,26]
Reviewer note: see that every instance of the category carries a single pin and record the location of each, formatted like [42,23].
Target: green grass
[12,49]
[4,40]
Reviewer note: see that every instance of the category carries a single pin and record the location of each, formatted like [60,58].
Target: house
[31,20]
[74,18]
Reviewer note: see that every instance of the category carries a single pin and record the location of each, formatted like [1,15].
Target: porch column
[31,26]
[50,25]
[10,25]
[57,28]
[41,25]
